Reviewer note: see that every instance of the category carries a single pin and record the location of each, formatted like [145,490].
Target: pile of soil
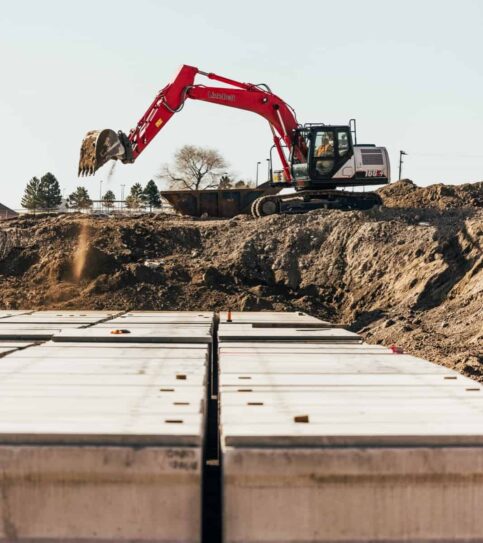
[410,275]
[405,193]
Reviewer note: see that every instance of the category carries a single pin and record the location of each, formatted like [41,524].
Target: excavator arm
[99,147]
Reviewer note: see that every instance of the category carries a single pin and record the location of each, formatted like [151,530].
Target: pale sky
[411,72]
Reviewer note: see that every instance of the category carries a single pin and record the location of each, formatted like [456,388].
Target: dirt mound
[405,193]
[411,277]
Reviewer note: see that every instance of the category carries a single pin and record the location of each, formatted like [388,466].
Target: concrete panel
[103,441]
[154,326]
[65,350]
[6,344]
[328,363]
[306,396]
[27,334]
[106,494]
[170,314]
[165,318]
[299,347]
[353,495]
[75,313]
[177,394]
[269,317]
[241,332]
[346,442]
[12,312]
[47,319]
[343,380]
[100,366]
[166,334]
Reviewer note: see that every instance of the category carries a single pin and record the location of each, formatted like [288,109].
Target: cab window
[343,141]
[324,144]
[324,152]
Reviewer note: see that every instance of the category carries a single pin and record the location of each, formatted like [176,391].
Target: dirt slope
[405,275]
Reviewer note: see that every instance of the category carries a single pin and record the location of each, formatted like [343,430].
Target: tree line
[192,168]
[45,194]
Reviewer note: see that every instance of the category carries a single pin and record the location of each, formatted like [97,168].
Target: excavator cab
[328,149]
[334,160]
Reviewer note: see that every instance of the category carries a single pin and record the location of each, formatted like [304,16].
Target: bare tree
[194,168]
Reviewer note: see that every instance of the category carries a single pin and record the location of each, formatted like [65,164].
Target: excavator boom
[98,147]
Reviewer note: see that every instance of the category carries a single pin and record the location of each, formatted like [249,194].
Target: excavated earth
[409,273]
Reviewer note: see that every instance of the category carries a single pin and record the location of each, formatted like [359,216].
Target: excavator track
[304,201]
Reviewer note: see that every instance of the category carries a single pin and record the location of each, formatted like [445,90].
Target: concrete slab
[170,314]
[241,332]
[353,494]
[12,312]
[76,313]
[47,319]
[65,350]
[268,317]
[344,380]
[15,344]
[109,434]
[105,494]
[172,393]
[404,428]
[306,396]
[27,334]
[6,326]
[165,318]
[144,335]
[299,348]
[155,325]
[101,366]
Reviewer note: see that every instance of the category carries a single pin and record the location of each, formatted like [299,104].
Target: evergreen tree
[32,198]
[151,192]
[108,199]
[79,199]
[136,198]
[50,191]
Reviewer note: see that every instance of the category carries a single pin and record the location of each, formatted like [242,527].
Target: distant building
[7,213]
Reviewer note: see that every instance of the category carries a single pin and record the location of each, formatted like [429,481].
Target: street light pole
[268,170]
[100,194]
[401,154]
[256,182]
[122,196]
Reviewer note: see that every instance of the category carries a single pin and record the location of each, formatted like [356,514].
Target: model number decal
[374,173]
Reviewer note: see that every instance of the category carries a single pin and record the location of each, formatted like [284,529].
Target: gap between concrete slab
[211,477]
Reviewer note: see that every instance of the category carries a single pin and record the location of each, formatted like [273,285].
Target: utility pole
[122,196]
[401,154]
[100,194]
[256,182]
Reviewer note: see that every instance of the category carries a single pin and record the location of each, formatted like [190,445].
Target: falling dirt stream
[80,253]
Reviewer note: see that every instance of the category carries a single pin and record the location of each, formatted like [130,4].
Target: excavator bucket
[98,147]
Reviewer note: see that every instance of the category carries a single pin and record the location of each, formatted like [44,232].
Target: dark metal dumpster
[216,203]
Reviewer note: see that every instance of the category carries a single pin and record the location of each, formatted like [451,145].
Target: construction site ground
[409,273]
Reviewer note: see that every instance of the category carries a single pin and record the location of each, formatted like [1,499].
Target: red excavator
[316,158]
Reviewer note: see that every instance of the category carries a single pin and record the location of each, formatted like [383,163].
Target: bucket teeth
[98,147]
[87,161]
